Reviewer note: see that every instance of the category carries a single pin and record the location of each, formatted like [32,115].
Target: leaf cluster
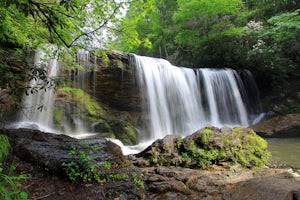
[8,183]
[64,22]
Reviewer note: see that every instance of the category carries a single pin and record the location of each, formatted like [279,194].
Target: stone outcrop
[206,147]
[279,126]
[50,151]
[226,181]
[220,183]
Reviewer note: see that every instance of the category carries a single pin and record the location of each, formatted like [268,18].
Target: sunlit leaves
[63,22]
[200,18]
[285,26]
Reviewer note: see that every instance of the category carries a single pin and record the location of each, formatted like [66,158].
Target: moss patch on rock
[121,130]
[82,105]
[84,101]
[240,145]
[206,147]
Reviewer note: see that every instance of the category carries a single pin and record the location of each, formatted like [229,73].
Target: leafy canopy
[65,22]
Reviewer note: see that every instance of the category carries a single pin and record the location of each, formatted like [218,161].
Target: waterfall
[37,106]
[182,100]
[175,100]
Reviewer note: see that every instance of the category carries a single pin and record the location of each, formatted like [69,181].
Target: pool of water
[285,151]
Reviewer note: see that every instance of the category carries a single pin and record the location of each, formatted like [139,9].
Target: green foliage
[4,147]
[179,143]
[218,33]
[186,157]
[64,22]
[285,26]
[83,166]
[13,71]
[107,165]
[9,185]
[138,181]
[207,136]
[114,177]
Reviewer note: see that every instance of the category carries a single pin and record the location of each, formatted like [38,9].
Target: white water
[226,106]
[179,100]
[182,100]
[38,106]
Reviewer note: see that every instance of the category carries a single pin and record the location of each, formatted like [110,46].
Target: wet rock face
[279,127]
[117,88]
[49,151]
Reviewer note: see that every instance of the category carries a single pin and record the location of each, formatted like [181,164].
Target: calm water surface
[285,151]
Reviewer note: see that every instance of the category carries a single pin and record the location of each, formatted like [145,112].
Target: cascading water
[178,100]
[182,100]
[38,106]
[226,106]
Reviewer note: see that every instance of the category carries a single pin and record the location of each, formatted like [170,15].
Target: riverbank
[227,183]
[61,167]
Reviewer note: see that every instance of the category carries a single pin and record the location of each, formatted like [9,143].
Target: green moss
[252,151]
[179,143]
[241,146]
[102,126]
[207,136]
[58,114]
[85,101]
[124,131]
[192,146]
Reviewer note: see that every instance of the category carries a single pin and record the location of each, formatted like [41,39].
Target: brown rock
[280,126]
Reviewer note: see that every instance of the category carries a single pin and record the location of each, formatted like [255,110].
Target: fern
[4,147]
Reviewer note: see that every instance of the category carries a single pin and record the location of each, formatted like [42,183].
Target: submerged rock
[279,127]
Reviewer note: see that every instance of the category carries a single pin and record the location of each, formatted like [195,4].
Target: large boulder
[206,147]
[279,126]
[50,151]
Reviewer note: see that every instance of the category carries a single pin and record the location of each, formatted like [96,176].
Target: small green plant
[115,177]
[186,156]
[192,146]
[107,165]
[83,165]
[154,160]
[4,147]
[207,136]
[9,184]
[138,181]
[179,143]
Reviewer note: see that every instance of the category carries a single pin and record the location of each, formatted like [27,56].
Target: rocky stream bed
[40,156]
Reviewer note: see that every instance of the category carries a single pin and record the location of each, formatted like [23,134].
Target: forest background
[262,36]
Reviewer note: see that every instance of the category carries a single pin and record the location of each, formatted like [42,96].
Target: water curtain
[182,100]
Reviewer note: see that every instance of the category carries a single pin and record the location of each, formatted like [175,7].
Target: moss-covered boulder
[121,130]
[73,104]
[208,146]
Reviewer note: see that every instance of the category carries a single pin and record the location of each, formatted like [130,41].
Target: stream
[285,152]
